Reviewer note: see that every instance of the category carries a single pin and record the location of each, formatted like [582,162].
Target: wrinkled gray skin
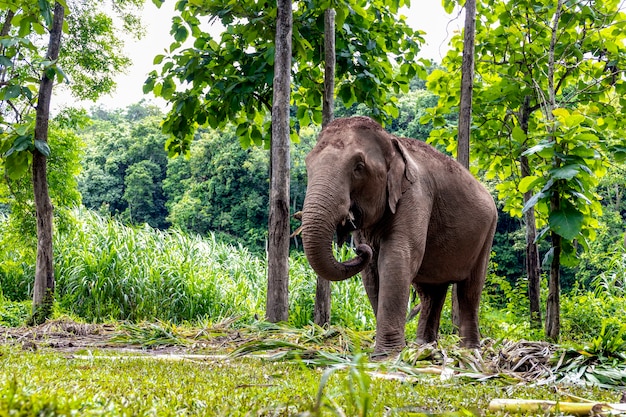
[418,217]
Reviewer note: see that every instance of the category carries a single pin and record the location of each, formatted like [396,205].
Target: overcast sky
[431,18]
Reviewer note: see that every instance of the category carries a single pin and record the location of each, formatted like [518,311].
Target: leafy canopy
[88,61]
[549,86]
[212,82]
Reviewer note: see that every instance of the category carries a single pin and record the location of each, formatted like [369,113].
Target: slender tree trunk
[553,308]
[553,313]
[43,290]
[533,270]
[321,313]
[277,308]
[328,107]
[467,84]
[465,111]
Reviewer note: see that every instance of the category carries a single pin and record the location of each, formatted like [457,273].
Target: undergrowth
[277,370]
[106,271]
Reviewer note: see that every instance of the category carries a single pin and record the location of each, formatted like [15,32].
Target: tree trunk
[553,310]
[465,111]
[533,270]
[321,313]
[277,308]
[467,84]
[43,290]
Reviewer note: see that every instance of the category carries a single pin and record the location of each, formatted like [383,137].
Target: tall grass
[17,263]
[106,270]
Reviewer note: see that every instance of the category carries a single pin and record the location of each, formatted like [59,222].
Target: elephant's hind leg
[469,292]
[469,300]
[432,297]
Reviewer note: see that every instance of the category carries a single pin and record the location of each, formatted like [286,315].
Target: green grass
[99,383]
[105,271]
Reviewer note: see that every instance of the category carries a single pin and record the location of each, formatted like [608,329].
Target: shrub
[12,313]
[583,314]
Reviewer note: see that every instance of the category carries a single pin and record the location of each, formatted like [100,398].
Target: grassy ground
[161,370]
[101,383]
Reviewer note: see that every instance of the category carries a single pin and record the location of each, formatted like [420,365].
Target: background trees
[27,76]
[221,187]
[550,92]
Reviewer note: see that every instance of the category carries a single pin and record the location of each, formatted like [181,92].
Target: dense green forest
[219,193]
[202,168]
[139,246]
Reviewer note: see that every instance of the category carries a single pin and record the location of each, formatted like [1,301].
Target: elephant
[417,217]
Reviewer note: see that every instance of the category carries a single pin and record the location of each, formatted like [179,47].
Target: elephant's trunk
[323,212]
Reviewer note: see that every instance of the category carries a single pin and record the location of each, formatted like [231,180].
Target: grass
[109,271]
[273,369]
[109,383]
[174,292]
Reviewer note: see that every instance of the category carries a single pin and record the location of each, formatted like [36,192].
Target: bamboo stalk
[545,406]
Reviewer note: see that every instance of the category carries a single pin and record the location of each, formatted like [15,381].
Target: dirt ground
[68,336]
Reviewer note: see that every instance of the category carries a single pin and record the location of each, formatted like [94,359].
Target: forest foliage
[178,260]
[115,163]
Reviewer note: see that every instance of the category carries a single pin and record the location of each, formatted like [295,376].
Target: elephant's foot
[382,353]
[425,340]
[470,343]
[385,356]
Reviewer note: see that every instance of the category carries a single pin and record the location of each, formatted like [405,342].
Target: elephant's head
[357,173]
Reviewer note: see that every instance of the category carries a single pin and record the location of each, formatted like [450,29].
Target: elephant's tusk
[351,219]
[297,232]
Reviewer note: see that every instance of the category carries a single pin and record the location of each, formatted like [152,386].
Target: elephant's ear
[402,173]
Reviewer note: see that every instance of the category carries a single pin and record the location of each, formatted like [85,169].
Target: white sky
[431,18]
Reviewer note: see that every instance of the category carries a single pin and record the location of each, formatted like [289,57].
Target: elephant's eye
[359,168]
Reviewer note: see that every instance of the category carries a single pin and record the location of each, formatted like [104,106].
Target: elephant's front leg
[393,296]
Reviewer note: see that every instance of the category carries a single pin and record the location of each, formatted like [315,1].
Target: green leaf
[21,143]
[533,200]
[518,134]
[11,92]
[5,62]
[583,151]
[148,85]
[42,147]
[574,120]
[46,12]
[61,76]
[587,137]
[566,172]
[567,221]
[619,153]
[448,5]
[543,149]
[526,184]
[16,165]
[181,33]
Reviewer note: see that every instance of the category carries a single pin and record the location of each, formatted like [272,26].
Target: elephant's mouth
[349,224]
